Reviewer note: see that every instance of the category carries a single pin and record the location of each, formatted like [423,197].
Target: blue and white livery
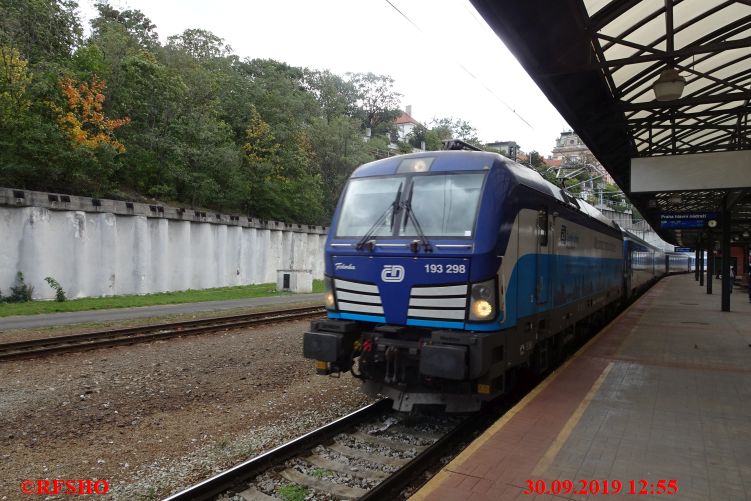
[448,272]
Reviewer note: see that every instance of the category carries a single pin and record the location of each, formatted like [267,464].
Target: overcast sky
[448,64]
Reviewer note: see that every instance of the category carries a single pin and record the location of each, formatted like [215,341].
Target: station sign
[688,220]
[683,249]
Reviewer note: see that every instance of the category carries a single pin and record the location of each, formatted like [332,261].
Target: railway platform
[656,406]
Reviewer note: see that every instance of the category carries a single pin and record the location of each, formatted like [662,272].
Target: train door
[543,261]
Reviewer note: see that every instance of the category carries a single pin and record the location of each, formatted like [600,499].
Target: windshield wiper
[415,245]
[390,210]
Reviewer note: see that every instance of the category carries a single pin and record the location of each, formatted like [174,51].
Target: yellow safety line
[565,432]
[459,460]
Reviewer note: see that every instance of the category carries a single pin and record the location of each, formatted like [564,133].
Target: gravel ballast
[154,418]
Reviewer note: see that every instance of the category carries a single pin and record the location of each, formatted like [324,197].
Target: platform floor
[662,393]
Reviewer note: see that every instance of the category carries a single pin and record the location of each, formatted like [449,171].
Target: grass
[321,473]
[293,492]
[189,296]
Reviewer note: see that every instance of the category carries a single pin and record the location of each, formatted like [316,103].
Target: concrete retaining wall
[98,253]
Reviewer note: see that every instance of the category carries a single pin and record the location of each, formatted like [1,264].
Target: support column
[710,264]
[696,260]
[725,249]
[701,263]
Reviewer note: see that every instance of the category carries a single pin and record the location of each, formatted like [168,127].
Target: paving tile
[676,404]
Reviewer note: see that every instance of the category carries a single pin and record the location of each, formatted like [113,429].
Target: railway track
[370,454]
[131,335]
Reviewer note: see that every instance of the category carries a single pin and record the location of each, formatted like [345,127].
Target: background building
[405,124]
[572,152]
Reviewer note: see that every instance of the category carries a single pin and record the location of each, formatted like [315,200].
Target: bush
[22,292]
[59,292]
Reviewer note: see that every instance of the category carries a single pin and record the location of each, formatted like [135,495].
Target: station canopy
[599,62]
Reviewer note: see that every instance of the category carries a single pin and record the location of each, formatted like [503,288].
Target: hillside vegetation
[120,114]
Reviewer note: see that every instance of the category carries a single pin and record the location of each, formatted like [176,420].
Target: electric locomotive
[446,272]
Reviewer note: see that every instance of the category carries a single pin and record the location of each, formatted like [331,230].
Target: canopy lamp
[669,86]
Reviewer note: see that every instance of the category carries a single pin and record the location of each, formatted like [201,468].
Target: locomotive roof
[453,161]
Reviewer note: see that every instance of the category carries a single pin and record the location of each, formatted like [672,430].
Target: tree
[338,149]
[84,121]
[454,128]
[139,30]
[377,99]
[203,127]
[261,145]
[14,82]
[200,44]
[40,30]
[152,96]
[335,96]
[538,163]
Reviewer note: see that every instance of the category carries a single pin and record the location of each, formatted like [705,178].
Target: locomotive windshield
[444,205]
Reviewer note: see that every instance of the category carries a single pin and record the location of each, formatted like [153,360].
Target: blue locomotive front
[439,276]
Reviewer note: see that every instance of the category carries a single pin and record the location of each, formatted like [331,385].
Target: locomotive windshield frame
[445,205]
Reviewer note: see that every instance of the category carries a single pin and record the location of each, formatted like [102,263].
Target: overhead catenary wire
[464,68]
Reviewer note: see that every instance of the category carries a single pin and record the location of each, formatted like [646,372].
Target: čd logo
[392,273]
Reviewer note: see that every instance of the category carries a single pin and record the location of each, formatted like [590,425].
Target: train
[448,273]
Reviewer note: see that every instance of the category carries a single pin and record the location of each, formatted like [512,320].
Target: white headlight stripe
[359,308]
[358,298]
[354,286]
[439,302]
[447,314]
[449,290]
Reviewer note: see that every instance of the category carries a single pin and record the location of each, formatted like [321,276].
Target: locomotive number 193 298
[449,268]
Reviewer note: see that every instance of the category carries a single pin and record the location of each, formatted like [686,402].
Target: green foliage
[200,44]
[321,473]
[59,292]
[204,128]
[293,492]
[538,163]
[404,148]
[21,292]
[442,129]
[377,99]
[137,28]
[41,30]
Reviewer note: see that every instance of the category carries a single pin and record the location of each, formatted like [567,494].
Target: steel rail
[390,487]
[222,482]
[238,476]
[131,335]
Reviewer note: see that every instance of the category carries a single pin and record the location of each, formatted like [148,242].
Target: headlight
[482,306]
[328,293]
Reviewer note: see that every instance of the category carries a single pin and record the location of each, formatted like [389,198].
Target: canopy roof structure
[597,62]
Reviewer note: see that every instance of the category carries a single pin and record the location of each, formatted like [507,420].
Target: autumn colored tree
[260,145]
[84,121]
[14,81]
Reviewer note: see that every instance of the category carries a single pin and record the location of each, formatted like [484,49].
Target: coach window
[542,227]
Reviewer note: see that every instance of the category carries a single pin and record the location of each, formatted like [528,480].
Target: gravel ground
[154,418]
